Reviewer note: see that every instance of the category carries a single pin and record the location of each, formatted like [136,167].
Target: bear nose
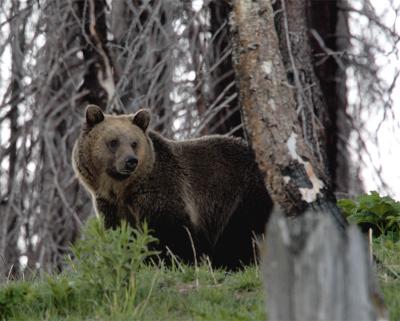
[130,163]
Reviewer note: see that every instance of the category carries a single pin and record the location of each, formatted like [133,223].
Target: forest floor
[92,289]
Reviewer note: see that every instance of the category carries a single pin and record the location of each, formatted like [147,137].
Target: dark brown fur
[210,187]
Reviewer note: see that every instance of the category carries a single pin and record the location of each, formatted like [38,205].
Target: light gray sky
[387,153]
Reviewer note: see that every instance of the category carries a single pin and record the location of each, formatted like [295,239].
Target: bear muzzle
[123,169]
[130,164]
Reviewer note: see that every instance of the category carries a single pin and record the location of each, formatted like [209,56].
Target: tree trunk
[295,174]
[98,81]
[293,34]
[10,217]
[322,21]
[329,41]
[223,76]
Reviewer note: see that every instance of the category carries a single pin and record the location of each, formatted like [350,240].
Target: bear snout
[130,163]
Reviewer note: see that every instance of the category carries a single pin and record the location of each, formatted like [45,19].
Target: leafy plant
[381,213]
[107,261]
[100,277]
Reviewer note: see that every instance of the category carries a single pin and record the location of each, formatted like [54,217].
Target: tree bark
[295,177]
[294,41]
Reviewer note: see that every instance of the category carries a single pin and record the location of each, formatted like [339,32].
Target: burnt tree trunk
[329,39]
[98,81]
[295,174]
[327,23]
[223,76]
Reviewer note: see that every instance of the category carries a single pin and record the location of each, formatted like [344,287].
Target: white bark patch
[244,7]
[307,194]
[291,144]
[272,104]
[266,67]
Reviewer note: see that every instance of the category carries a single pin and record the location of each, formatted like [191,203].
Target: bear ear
[142,118]
[94,115]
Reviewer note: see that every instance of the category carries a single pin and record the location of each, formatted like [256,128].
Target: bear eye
[134,145]
[113,144]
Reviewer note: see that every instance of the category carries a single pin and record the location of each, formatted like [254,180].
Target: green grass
[109,279]
[160,294]
[388,268]
[105,281]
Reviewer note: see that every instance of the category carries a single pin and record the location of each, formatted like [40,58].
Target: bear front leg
[109,212]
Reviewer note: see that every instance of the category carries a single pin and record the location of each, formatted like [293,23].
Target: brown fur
[208,186]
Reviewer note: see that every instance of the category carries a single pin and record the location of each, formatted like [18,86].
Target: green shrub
[100,277]
[107,278]
[382,214]
[106,262]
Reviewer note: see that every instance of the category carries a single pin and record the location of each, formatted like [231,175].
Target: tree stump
[313,271]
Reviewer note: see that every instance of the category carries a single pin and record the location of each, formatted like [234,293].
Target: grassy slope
[105,283]
[94,289]
[161,294]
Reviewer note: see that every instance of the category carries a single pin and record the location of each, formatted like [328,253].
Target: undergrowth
[381,214]
[109,277]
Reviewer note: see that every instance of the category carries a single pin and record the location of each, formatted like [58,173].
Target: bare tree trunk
[10,218]
[296,175]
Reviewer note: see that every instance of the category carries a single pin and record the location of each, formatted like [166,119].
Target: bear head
[110,147]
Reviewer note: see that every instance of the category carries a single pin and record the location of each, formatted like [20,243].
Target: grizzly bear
[200,197]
